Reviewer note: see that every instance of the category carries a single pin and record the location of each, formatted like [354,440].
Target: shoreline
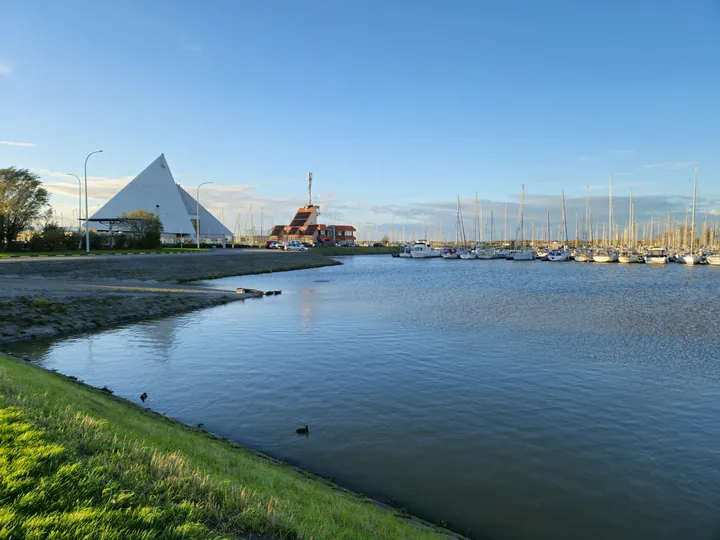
[35,306]
[363,516]
[41,299]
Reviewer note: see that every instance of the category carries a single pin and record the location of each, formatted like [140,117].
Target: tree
[385,240]
[22,201]
[144,229]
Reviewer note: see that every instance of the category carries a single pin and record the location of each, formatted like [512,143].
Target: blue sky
[396,107]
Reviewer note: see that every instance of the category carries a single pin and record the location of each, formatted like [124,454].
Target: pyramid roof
[209,224]
[155,190]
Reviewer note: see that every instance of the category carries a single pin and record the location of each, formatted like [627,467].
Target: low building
[341,234]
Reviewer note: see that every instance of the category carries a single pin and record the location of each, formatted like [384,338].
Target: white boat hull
[559,256]
[425,254]
[582,258]
[450,256]
[468,256]
[691,259]
[626,259]
[405,255]
[713,260]
[605,258]
[523,256]
[656,260]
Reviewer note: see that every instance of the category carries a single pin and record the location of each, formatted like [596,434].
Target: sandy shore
[41,298]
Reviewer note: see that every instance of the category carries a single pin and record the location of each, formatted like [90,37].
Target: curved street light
[79,208]
[197,215]
[87,215]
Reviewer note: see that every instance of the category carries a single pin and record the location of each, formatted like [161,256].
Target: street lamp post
[79,208]
[197,215]
[87,215]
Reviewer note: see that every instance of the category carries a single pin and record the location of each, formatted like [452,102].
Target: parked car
[295,245]
[271,245]
[307,245]
[377,244]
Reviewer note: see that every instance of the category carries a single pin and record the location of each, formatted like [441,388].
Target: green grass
[76,462]
[335,251]
[98,252]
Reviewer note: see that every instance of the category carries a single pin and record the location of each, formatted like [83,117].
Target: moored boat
[583,255]
[525,253]
[656,255]
[423,250]
[627,257]
[558,255]
[713,259]
[691,259]
[450,253]
[605,256]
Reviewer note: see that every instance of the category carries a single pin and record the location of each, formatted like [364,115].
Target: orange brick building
[305,228]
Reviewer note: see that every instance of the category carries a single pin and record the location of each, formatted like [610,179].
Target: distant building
[305,227]
[155,190]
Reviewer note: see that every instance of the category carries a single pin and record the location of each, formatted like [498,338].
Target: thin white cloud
[6,68]
[13,143]
[670,165]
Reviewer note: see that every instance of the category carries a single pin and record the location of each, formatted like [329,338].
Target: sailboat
[465,253]
[630,255]
[583,254]
[454,253]
[607,255]
[692,257]
[714,259]
[524,253]
[560,254]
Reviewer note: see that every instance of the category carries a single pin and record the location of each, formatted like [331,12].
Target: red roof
[345,228]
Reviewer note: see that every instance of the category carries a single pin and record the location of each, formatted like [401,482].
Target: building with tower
[304,227]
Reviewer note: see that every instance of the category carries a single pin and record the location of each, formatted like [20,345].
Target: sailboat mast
[457,221]
[522,216]
[477,232]
[505,227]
[692,238]
[577,230]
[610,215]
[481,233]
[630,223]
[564,218]
[548,227]
[587,215]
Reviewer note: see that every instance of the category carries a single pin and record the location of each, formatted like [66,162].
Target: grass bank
[337,251]
[76,462]
[98,252]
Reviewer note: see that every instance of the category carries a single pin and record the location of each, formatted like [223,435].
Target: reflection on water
[513,401]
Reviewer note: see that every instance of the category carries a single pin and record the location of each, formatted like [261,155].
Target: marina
[675,244]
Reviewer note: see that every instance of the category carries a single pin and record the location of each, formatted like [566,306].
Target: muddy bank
[45,298]
[43,314]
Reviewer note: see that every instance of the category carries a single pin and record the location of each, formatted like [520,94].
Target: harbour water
[509,400]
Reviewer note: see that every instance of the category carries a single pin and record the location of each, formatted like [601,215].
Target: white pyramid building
[155,190]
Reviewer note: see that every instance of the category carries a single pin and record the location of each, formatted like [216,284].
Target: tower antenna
[309,189]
